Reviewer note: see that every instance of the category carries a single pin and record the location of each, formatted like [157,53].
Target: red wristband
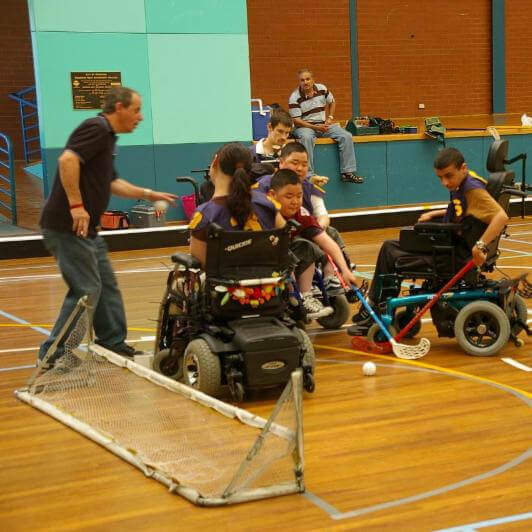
[76,205]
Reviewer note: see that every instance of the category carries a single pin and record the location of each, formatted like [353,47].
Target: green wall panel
[371,163]
[198,16]
[203,93]
[172,160]
[133,163]
[58,54]
[411,178]
[126,16]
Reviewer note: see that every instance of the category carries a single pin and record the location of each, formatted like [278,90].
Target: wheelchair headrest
[497,181]
[497,155]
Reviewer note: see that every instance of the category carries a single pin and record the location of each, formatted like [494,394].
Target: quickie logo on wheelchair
[250,295]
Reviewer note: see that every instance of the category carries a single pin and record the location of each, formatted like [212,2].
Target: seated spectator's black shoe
[123,350]
[349,177]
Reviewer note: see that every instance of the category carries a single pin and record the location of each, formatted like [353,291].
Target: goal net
[206,450]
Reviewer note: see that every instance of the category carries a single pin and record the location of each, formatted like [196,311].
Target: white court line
[516,364]
[54,264]
[518,254]
[518,241]
[57,275]
[19,349]
[514,267]
[16,350]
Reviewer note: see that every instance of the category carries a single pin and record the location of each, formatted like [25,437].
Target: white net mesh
[191,445]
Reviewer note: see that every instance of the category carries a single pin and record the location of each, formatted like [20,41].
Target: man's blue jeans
[307,137]
[86,269]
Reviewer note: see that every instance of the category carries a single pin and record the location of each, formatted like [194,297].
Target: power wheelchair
[337,299]
[482,314]
[229,324]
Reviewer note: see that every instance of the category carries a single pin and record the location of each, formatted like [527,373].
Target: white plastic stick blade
[411,352]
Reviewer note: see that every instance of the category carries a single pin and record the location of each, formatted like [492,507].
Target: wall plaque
[89,88]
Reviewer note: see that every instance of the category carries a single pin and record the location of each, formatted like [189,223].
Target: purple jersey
[457,208]
[309,190]
[262,217]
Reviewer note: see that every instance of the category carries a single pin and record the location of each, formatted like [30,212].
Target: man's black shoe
[349,177]
[123,350]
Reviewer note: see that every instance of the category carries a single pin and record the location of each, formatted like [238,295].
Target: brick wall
[518,14]
[16,66]
[436,53]
[281,41]
[431,52]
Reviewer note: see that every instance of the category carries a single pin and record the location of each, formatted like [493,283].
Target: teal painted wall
[188,60]
[97,16]
[198,16]
[60,53]
[203,94]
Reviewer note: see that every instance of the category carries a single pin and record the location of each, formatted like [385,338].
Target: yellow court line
[26,324]
[428,366]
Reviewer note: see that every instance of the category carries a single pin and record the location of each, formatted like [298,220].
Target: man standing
[83,184]
[312,107]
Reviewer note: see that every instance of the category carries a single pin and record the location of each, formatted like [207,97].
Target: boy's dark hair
[281,178]
[115,95]
[448,157]
[292,147]
[280,116]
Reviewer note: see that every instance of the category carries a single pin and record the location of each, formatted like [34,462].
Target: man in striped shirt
[312,107]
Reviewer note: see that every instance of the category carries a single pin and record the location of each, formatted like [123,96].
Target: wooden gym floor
[432,444]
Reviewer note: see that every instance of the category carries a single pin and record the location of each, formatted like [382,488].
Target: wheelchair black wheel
[339,316]
[402,318]
[309,359]
[308,382]
[169,365]
[238,392]
[202,368]
[517,312]
[375,335]
[482,328]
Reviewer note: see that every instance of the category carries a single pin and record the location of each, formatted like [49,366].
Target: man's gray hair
[301,70]
[115,95]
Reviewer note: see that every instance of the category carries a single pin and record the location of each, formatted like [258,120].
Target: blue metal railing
[27,101]
[8,178]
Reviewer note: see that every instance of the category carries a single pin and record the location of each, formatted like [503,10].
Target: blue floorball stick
[408,352]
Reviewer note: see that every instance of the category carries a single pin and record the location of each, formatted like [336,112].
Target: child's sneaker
[314,307]
[332,283]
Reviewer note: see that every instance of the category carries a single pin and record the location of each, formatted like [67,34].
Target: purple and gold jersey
[457,208]
[262,218]
[309,190]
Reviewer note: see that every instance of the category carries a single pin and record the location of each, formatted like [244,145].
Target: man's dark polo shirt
[93,141]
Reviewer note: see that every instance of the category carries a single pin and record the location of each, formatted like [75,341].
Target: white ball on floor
[161,205]
[369,369]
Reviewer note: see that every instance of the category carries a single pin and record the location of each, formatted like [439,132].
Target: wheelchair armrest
[186,260]
[512,191]
[436,227]
[292,225]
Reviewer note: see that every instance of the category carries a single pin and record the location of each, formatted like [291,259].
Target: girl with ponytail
[233,206]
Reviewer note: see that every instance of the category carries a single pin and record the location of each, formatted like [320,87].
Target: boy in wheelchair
[222,319]
[294,157]
[311,244]
[478,220]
